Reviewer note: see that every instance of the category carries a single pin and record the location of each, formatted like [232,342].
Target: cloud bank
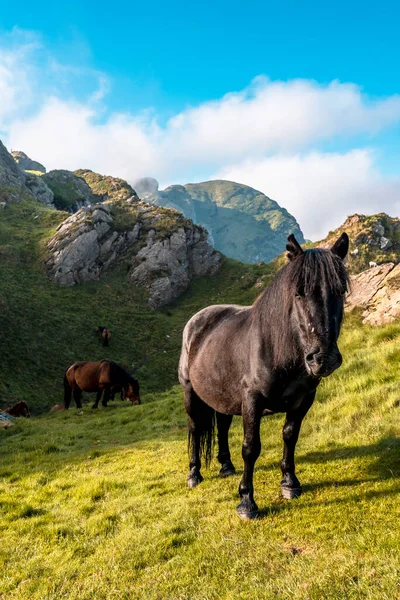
[272,136]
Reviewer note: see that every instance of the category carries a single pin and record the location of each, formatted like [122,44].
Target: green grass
[46,328]
[96,502]
[93,504]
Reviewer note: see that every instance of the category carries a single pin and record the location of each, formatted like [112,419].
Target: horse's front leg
[251,412]
[224,456]
[290,485]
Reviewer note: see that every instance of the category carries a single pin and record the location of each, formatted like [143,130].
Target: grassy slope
[46,328]
[94,504]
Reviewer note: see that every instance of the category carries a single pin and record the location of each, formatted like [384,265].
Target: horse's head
[131,392]
[319,283]
[20,409]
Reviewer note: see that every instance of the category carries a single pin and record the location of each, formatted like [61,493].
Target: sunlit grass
[96,503]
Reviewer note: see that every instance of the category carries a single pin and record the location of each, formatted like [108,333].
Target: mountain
[242,222]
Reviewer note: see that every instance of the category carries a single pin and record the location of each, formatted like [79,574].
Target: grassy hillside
[94,503]
[45,328]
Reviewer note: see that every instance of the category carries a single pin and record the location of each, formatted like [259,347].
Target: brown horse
[105,334]
[20,409]
[103,376]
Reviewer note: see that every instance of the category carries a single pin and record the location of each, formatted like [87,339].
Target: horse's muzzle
[322,365]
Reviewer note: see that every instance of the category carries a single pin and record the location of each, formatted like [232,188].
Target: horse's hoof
[193,480]
[248,515]
[94,406]
[290,493]
[247,510]
[227,471]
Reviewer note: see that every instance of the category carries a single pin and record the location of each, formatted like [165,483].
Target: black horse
[102,376]
[263,359]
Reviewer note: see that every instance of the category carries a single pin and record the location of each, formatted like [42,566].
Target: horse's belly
[221,397]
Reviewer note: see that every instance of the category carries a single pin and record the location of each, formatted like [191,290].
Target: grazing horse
[105,334]
[263,359]
[20,409]
[103,376]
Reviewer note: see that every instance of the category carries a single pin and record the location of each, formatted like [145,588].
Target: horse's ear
[293,248]
[341,246]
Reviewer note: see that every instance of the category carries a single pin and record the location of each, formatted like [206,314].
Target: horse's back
[87,375]
[201,326]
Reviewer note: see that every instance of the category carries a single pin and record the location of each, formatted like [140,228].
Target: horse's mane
[313,270]
[128,376]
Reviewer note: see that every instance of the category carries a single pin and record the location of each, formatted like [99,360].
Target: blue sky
[315,89]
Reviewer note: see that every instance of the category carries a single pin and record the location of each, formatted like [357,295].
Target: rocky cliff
[16,184]
[161,250]
[26,163]
[242,222]
[373,238]
[377,292]
[106,187]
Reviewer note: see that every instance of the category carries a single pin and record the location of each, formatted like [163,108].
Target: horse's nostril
[313,355]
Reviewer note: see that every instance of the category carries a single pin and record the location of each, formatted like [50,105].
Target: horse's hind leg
[106,396]
[98,397]
[77,397]
[200,433]
[224,456]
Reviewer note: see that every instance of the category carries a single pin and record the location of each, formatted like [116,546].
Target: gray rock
[385,243]
[166,267]
[378,228]
[26,163]
[85,245]
[12,178]
[39,189]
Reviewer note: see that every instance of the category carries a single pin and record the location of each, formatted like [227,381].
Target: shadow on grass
[385,467]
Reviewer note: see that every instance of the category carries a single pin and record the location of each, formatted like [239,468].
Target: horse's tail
[67,391]
[204,424]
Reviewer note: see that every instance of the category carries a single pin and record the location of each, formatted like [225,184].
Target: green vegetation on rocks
[70,191]
[107,187]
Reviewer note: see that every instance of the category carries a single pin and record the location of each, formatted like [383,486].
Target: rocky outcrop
[166,267]
[106,187]
[242,222]
[12,178]
[27,164]
[39,189]
[377,292]
[373,238]
[70,191]
[164,250]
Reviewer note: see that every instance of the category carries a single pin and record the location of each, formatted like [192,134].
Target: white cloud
[321,189]
[264,135]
